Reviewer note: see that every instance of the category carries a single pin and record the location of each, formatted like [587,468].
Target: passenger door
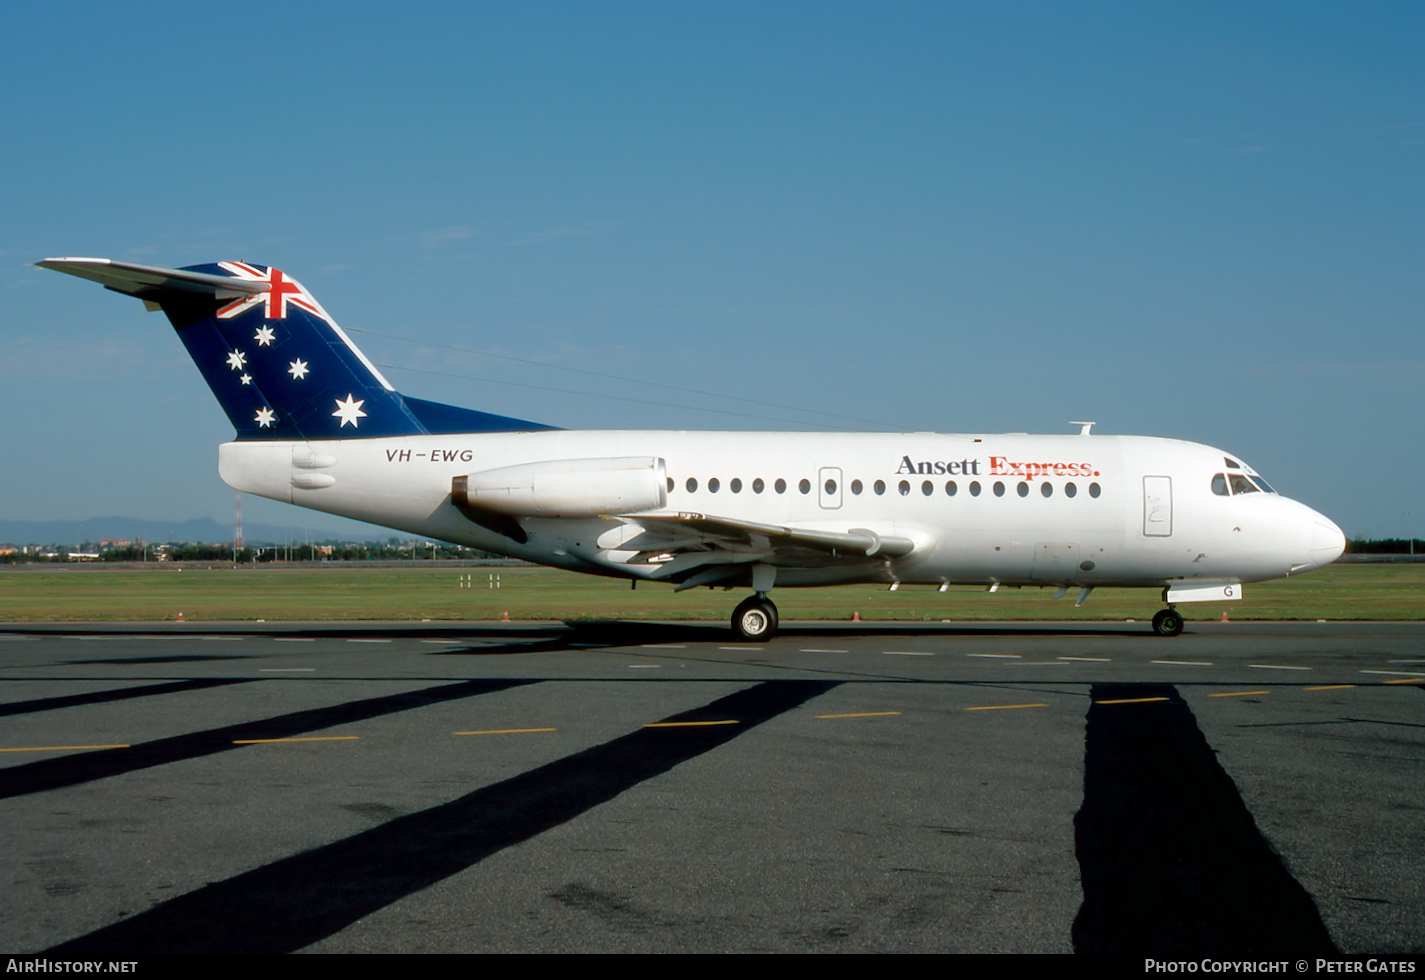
[1157,506]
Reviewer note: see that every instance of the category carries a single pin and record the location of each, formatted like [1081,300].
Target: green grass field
[427,591]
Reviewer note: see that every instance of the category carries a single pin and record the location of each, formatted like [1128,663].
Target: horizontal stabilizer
[144,280]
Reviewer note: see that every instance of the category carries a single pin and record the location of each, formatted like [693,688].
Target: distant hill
[203,529]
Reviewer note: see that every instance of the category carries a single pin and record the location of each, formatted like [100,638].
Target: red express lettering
[1004,466]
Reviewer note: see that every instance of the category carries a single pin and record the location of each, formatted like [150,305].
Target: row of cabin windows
[927,487]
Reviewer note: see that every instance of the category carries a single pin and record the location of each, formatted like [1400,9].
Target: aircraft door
[1157,506]
[828,487]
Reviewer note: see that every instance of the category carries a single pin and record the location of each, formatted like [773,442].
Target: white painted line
[742,648]
[814,650]
[1402,673]
[293,639]
[905,653]
[17,639]
[368,641]
[1040,663]
[644,666]
[282,670]
[1186,663]
[226,639]
[1405,661]
[1091,660]
[1276,667]
[665,646]
[997,656]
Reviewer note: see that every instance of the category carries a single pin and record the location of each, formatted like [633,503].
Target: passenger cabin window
[880,487]
[780,486]
[1219,485]
[1070,490]
[904,487]
[974,488]
[736,485]
[713,485]
[856,487]
[804,486]
[692,485]
[758,486]
[950,488]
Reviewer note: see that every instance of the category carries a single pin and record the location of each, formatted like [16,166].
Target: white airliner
[318,426]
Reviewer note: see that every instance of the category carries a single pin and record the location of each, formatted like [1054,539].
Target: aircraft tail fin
[277,362]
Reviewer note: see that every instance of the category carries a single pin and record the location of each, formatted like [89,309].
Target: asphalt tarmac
[1243,789]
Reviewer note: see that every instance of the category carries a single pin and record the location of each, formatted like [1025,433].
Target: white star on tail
[236,360]
[349,411]
[265,336]
[265,417]
[298,370]
[246,379]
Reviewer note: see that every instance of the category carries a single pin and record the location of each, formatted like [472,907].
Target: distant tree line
[1385,546]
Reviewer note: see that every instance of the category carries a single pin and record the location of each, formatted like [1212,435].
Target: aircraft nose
[1328,542]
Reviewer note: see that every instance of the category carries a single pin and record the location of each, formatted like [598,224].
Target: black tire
[754,620]
[1168,622]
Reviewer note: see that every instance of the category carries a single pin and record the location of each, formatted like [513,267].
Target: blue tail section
[278,363]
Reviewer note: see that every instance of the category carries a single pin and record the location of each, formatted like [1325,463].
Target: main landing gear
[1168,622]
[755,619]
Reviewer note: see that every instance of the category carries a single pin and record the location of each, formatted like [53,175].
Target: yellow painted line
[1131,701]
[690,724]
[508,731]
[864,714]
[1408,680]
[317,738]
[63,748]
[1236,694]
[1329,687]
[1005,707]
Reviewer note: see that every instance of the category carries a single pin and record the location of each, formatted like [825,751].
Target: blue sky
[1194,220]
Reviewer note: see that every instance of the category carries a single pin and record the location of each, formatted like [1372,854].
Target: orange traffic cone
[180,617]
[1224,617]
[856,616]
[506,617]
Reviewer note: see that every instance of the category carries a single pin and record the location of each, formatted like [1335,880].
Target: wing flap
[856,542]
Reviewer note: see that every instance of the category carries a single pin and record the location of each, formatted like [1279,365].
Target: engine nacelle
[568,487]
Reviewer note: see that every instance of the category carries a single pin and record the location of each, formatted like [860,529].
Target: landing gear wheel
[1168,622]
[755,619]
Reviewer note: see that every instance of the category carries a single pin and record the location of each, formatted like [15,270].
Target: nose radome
[1328,542]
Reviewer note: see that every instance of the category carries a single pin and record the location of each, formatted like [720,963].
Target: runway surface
[1006,787]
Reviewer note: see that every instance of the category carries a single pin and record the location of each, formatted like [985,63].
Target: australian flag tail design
[278,363]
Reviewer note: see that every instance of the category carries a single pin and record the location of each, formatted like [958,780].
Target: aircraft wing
[699,549]
[144,280]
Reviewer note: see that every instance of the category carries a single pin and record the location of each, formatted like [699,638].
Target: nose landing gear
[1168,622]
[755,619]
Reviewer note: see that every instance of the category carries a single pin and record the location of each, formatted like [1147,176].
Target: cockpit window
[1219,485]
[1240,484]
[1262,483]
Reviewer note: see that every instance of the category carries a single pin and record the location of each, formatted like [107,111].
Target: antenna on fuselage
[1086,427]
